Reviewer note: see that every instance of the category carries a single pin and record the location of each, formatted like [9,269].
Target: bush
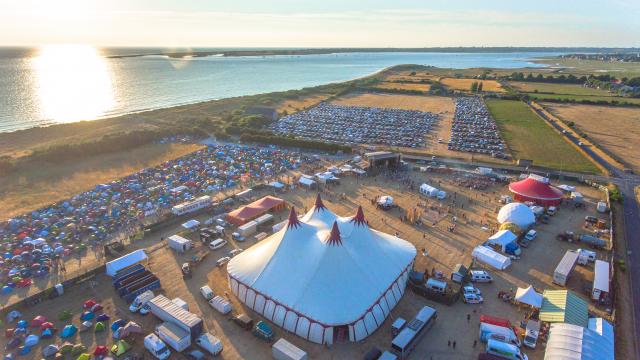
[614,194]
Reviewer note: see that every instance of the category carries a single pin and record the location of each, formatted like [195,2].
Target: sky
[320,23]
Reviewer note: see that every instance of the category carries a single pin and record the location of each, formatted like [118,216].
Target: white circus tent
[323,277]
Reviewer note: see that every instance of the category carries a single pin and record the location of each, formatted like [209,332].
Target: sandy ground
[444,249]
[34,185]
[616,129]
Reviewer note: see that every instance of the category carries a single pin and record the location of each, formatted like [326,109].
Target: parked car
[472,299]
[470,289]
[223,260]
[234,252]
[145,309]
[531,234]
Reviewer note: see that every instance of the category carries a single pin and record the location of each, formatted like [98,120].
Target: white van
[480,276]
[221,304]
[206,292]
[435,285]
[504,350]
[217,244]
[140,300]
[210,343]
[156,347]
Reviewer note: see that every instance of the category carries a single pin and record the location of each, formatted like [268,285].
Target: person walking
[454,344]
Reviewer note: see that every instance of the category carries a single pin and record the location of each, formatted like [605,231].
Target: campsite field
[442,249]
[570,89]
[33,185]
[465,84]
[616,129]
[529,137]
[403,86]
[434,104]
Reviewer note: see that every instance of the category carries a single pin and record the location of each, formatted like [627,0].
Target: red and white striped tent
[323,277]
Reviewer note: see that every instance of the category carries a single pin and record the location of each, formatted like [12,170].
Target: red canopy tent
[537,190]
[254,210]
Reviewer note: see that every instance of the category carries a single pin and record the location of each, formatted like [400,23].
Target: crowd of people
[358,125]
[474,130]
[92,217]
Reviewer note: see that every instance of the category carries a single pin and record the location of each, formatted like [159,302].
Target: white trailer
[428,190]
[600,280]
[248,229]
[221,304]
[167,310]
[173,336]
[264,219]
[490,257]
[178,243]
[191,206]
[564,268]
[284,350]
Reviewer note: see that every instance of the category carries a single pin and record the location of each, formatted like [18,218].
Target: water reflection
[74,83]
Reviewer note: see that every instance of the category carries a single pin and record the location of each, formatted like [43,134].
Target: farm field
[571,89]
[575,66]
[609,99]
[529,137]
[33,186]
[620,135]
[465,84]
[434,104]
[403,86]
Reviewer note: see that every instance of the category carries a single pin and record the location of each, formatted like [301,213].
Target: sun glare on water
[74,83]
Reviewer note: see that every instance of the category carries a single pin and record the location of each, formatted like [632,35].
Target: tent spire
[293,219]
[334,237]
[359,219]
[319,204]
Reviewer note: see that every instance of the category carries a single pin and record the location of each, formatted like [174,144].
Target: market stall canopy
[255,209]
[529,296]
[306,181]
[563,306]
[125,261]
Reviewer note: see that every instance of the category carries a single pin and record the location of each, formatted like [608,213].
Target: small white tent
[306,181]
[529,296]
[490,257]
[122,262]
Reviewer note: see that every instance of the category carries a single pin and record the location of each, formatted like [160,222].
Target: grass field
[571,89]
[435,104]
[610,99]
[529,137]
[34,186]
[403,86]
[575,66]
[616,129]
[465,84]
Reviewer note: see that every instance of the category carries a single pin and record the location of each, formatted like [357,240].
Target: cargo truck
[173,336]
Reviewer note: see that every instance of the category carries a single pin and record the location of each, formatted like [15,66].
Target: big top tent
[324,277]
[536,189]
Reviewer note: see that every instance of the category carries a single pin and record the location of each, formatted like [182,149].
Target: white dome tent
[323,277]
[517,213]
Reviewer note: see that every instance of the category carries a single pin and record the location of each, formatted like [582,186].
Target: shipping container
[168,311]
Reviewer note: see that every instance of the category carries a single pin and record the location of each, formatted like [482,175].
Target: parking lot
[472,208]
